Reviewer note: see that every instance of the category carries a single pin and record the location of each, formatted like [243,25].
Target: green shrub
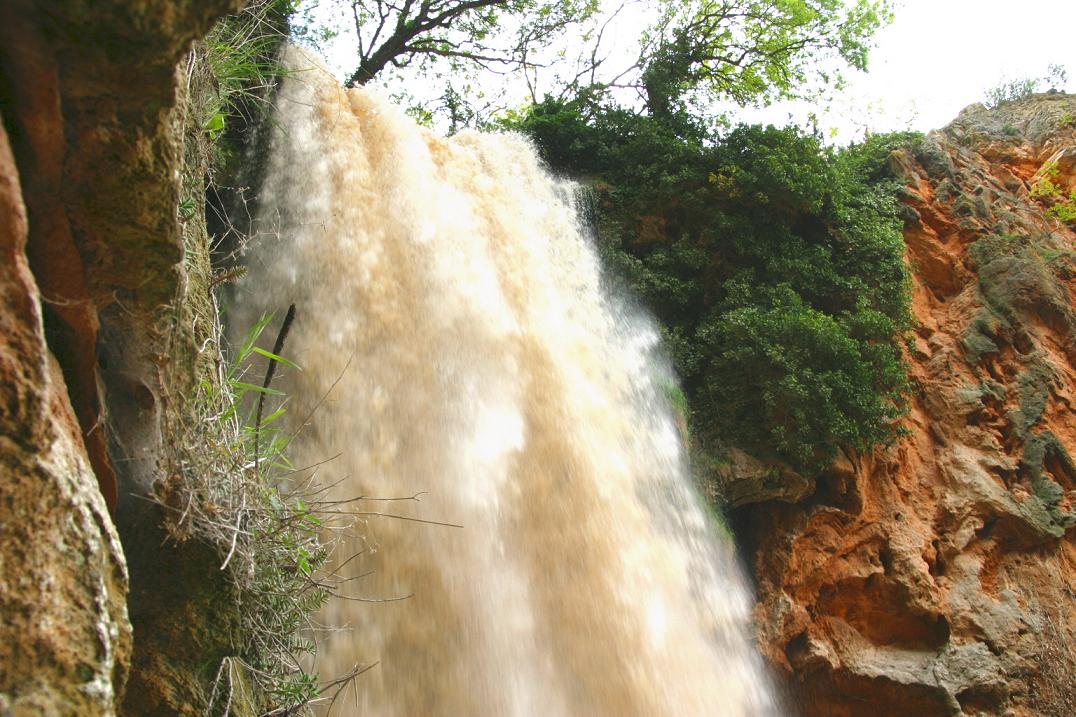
[1062,207]
[1011,91]
[795,380]
[773,264]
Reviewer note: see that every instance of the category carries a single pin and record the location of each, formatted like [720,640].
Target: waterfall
[458,347]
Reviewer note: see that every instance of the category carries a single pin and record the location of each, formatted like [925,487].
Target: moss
[945,191]
[993,390]
[185,622]
[1062,261]
[1019,277]
[935,159]
[992,247]
[1042,447]
[975,395]
[1019,282]
[979,340]
[971,206]
[1023,283]
[962,206]
[1033,386]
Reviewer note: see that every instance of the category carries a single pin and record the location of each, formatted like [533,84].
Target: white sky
[936,58]
[940,56]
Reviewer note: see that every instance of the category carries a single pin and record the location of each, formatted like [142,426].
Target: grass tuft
[231,486]
[227,481]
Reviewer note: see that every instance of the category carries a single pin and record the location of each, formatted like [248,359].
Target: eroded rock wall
[63,581]
[91,250]
[937,576]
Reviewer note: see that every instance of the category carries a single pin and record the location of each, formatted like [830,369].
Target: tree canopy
[773,264]
[655,56]
[491,34]
[748,51]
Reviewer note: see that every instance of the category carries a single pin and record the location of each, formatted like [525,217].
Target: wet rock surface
[63,580]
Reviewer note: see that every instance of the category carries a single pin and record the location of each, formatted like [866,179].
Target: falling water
[456,343]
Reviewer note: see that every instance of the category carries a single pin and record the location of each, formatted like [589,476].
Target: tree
[494,35]
[749,51]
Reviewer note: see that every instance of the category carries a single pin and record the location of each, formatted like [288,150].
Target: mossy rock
[971,206]
[1041,448]
[185,617]
[982,335]
[1033,386]
[1022,283]
[976,395]
[935,159]
[1017,275]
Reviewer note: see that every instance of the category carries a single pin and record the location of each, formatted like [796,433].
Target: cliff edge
[937,576]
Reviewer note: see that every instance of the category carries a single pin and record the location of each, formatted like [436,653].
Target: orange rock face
[937,576]
[64,637]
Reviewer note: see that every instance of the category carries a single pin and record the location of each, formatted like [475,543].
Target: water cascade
[457,343]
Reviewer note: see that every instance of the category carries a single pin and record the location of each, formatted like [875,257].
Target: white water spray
[452,324]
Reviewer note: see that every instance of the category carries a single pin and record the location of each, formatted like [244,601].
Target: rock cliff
[63,580]
[937,576]
[90,243]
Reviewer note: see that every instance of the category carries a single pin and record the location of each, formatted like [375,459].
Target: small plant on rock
[1011,91]
[1047,188]
[232,487]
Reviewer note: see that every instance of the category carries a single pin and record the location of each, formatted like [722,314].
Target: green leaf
[273,357]
[274,415]
[258,389]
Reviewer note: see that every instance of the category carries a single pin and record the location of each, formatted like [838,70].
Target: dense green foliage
[773,264]
[753,50]
[1046,189]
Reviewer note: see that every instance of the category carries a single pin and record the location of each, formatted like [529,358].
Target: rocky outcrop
[91,247]
[937,576]
[65,636]
[742,479]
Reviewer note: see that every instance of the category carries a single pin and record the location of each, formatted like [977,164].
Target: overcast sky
[939,56]
[935,59]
